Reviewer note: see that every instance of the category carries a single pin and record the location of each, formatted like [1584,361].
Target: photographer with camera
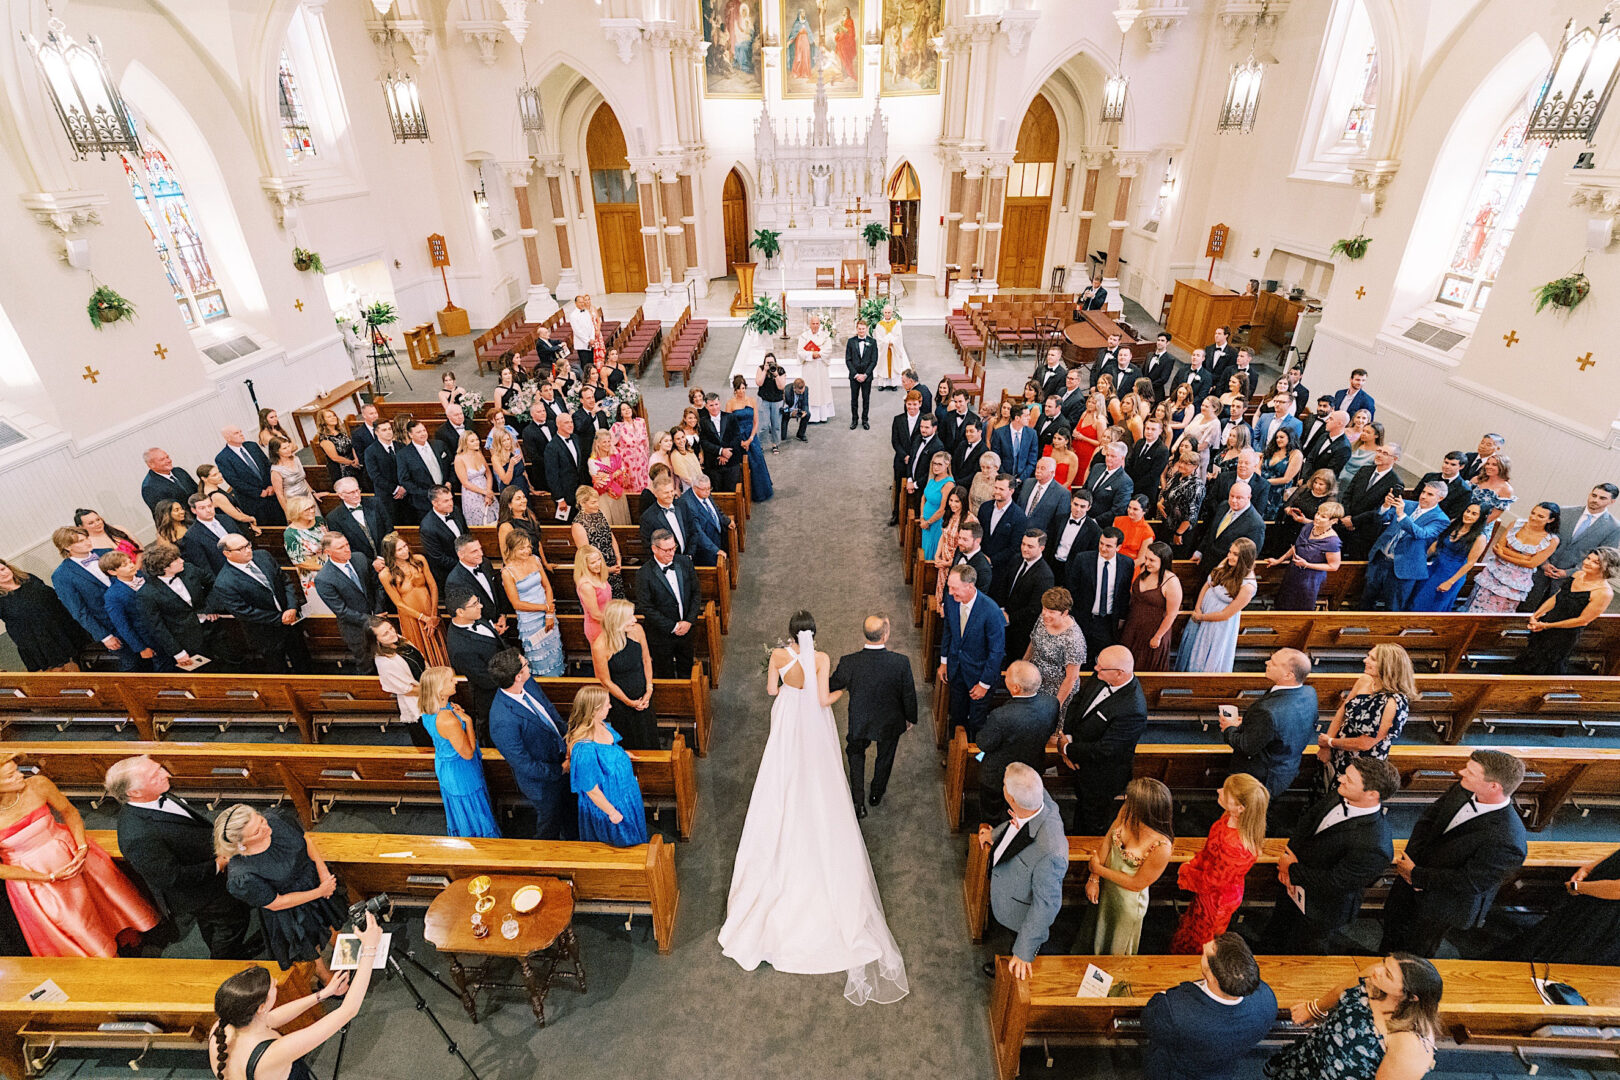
[273,865]
[772,383]
[245,1043]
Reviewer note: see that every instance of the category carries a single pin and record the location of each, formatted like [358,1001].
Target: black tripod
[422,1006]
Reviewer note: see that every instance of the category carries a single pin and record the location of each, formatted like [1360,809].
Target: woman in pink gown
[69,898]
[631,442]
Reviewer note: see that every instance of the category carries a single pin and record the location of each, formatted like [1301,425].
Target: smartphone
[979,756]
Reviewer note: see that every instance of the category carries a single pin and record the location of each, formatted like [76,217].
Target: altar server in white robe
[892,358]
[817,380]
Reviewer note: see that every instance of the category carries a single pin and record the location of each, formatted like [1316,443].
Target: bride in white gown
[803,898]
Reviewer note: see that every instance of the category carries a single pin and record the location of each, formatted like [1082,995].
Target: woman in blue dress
[1280,464]
[1457,549]
[456,758]
[745,411]
[599,772]
[1210,641]
[529,590]
[938,486]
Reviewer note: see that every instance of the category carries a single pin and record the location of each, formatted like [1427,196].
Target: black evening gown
[1578,930]
[297,933]
[45,634]
[637,728]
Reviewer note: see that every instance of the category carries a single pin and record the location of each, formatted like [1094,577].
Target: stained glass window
[295,137]
[1358,122]
[1493,213]
[172,225]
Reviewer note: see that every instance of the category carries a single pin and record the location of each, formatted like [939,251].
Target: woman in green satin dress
[1127,860]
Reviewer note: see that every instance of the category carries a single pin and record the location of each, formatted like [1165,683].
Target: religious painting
[733,66]
[826,37]
[910,61]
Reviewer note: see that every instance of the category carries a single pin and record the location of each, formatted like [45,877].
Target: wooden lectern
[1199,307]
[452,320]
[743,302]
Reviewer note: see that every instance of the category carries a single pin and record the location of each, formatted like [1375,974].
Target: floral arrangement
[829,322]
[766,318]
[472,402]
[871,311]
[107,306]
[307,260]
[381,313]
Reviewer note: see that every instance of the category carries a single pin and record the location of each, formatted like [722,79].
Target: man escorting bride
[803,898]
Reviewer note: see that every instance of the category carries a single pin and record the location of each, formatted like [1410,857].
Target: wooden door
[1023,244]
[903,236]
[734,213]
[618,227]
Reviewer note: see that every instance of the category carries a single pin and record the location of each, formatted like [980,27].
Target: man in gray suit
[1028,857]
[1581,531]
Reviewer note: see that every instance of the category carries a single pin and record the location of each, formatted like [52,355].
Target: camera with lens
[379,905]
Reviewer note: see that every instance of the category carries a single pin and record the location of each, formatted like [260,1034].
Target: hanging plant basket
[106,306]
[875,233]
[1566,292]
[767,318]
[1353,248]
[307,260]
[767,242]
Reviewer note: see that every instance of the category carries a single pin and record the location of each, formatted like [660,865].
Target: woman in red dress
[1215,875]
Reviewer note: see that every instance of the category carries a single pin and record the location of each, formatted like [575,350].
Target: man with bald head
[243,465]
[882,706]
[1016,731]
[1330,448]
[1106,717]
[1239,520]
[1271,734]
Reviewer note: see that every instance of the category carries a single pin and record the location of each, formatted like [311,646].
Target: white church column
[1127,165]
[694,266]
[568,283]
[1080,270]
[995,204]
[540,303]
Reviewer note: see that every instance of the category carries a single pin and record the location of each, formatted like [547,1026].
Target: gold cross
[1511,338]
[89,373]
[161,352]
[1585,361]
[299,304]
[1360,292]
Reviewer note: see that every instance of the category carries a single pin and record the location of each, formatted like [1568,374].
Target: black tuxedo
[1336,866]
[363,436]
[1086,535]
[536,437]
[172,622]
[1158,368]
[951,425]
[1473,466]
[1215,543]
[1051,380]
[904,435]
[1330,454]
[860,357]
[417,479]
[1215,495]
[965,460]
[1073,404]
[1363,501]
[1108,499]
[200,547]
[1099,630]
[365,530]
[1144,464]
[470,651]
[1275,731]
[1457,874]
[273,645]
[1021,600]
[1106,363]
[1125,379]
[1216,358]
[882,707]
[382,466]
[1199,380]
[484,583]
[715,436]
[1046,425]
[248,480]
[566,472]
[1016,731]
[1046,514]
[438,542]
[656,604]
[174,855]
[922,456]
[688,541]
[353,604]
[1103,749]
[178,486]
[1223,372]
[449,438]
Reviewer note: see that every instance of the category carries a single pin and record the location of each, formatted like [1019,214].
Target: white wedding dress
[803,898]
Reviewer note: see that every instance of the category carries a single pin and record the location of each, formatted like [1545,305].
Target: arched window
[1493,213]
[1358,121]
[296,139]
[1344,97]
[169,218]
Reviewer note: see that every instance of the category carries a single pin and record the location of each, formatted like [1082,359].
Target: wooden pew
[316,778]
[175,995]
[1553,774]
[1545,870]
[1485,1003]
[153,703]
[634,880]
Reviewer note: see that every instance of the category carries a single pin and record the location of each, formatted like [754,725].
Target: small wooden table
[350,389]
[544,939]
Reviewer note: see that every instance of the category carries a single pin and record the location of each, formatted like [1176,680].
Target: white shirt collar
[1204,986]
[874,647]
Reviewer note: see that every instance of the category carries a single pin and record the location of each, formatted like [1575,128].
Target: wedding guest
[342,459]
[1203,1030]
[1370,720]
[164,481]
[287,477]
[526,728]
[1556,624]
[1003,523]
[69,898]
[1454,553]
[273,865]
[1365,443]
[1300,509]
[1398,564]
[82,588]
[457,760]
[219,495]
[665,513]
[382,460]
[1134,528]
[1582,529]
[246,470]
[421,465]
[976,467]
[362,520]
[1458,490]
[610,477]
[1183,496]
[528,593]
[1155,602]
[45,635]
[1067,468]
[1491,488]
[591,588]
[410,586]
[122,601]
[399,666]
[629,433]
[600,773]
[935,492]
[252,589]
[1507,572]
[506,460]
[515,514]
[441,529]
[1146,461]
[1104,720]
[1127,860]
[1073,536]
[1216,873]
[1020,600]
[684,462]
[1016,731]
[1581,928]
[364,434]
[667,600]
[477,483]
[174,609]
[455,428]
[302,542]
[1384,1024]
[1280,465]
[471,640]
[270,428]
[1101,582]
[622,663]
[971,650]
[348,588]
[1057,648]
[105,537]
[1209,641]
[1310,558]
[1026,885]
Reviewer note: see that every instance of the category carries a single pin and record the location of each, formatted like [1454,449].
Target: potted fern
[1353,248]
[874,233]
[307,260]
[381,313]
[767,319]
[767,242]
[1566,292]
[107,306]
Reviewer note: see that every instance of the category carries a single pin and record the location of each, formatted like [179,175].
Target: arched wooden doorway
[734,213]
[618,214]
[1029,198]
[905,197]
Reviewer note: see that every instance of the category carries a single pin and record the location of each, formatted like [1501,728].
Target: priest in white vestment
[892,358]
[815,346]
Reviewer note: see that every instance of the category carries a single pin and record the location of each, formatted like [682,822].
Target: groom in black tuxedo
[860,358]
[882,705]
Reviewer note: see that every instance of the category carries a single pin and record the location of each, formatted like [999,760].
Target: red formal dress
[1215,878]
[77,916]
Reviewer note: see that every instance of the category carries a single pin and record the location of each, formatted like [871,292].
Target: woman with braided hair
[245,1044]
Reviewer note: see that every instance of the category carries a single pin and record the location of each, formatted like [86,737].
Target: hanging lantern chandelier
[1243,88]
[90,108]
[530,116]
[403,100]
[1578,87]
[1115,88]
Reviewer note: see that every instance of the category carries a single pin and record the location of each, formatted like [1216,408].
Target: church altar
[839,303]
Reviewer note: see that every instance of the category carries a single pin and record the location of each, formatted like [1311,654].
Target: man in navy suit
[1107,362]
[1205,1030]
[971,649]
[909,382]
[1354,397]
[1365,499]
[164,481]
[1240,520]
[1016,445]
[360,519]
[441,527]
[1071,399]
[671,515]
[252,590]
[247,470]
[1269,737]
[422,465]
[530,734]
[1100,582]
[1399,562]
[714,526]
[200,545]
[1003,523]
[1044,501]
[82,588]
[382,466]
[1110,485]
[348,586]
